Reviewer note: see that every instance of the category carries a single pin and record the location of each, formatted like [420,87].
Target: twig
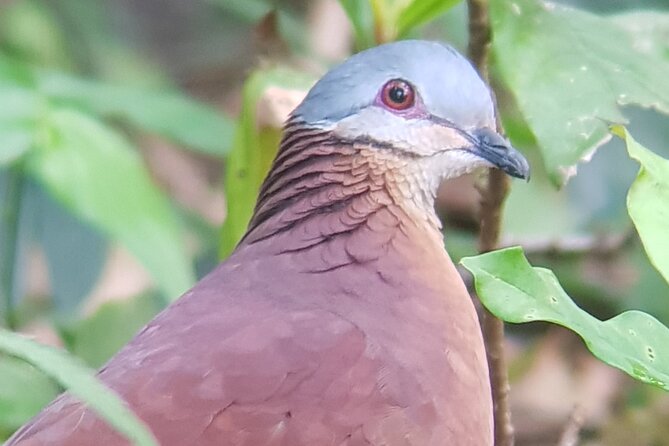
[493,195]
[594,245]
[10,227]
[573,427]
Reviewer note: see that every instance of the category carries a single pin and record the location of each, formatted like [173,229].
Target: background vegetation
[134,136]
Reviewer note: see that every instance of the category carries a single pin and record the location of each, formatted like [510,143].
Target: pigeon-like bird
[339,320]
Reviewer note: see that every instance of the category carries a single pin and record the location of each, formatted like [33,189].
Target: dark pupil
[397,95]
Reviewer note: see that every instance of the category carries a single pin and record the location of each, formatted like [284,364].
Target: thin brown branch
[573,427]
[493,195]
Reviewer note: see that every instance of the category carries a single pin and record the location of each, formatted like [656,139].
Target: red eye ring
[398,94]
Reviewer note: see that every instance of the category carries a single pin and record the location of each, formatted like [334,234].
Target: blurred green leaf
[24,391]
[98,337]
[253,152]
[81,382]
[648,201]
[75,251]
[577,68]
[166,113]
[514,291]
[15,74]
[247,10]
[360,14]
[30,31]
[419,12]
[96,174]
[18,119]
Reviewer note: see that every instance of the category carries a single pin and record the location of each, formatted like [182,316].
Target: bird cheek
[437,139]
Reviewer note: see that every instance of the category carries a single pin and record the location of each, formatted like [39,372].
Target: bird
[339,319]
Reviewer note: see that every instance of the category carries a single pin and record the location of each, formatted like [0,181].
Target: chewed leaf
[568,78]
[634,342]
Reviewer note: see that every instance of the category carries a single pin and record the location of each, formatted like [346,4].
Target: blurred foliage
[255,144]
[88,87]
[81,382]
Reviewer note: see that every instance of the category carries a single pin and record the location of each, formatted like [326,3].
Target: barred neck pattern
[321,187]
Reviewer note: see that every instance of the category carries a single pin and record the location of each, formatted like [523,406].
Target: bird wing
[223,366]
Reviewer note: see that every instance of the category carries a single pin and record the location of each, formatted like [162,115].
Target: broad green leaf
[18,119]
[95,173]
[164,112]
[419,12]
[514,291]
[648,202]
[255,146]
[98,337]
[24,391]
[81,382]
[360,14]
[570,70]
[649,30]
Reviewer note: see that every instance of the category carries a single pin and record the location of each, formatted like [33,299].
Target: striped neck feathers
[322,187]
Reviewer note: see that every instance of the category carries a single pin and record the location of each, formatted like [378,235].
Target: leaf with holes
[514,291]
[568,77]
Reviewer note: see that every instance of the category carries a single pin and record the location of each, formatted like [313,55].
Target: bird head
[420,100]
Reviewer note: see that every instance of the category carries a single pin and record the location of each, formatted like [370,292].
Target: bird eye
[398,94]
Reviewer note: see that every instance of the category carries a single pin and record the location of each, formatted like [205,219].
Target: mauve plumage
[338,320]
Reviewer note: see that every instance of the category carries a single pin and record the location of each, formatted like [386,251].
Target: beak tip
[514,164]
[522,171]
[498,152]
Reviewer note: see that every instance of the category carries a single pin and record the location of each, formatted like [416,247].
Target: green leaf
[18,119]
[98,337]
[254,149]
[24,391]
[419,12]
[95,173]
[360,14]
[48,47]
[250,11]
[164,112]
[570,70]
[649,30]
[648,202]
[81,382]
[514,291]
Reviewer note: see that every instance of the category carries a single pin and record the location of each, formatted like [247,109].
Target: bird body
[338,320]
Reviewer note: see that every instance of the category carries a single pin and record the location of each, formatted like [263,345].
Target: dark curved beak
[493,148]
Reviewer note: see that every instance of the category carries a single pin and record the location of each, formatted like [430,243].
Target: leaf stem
[11,209]
[493,194]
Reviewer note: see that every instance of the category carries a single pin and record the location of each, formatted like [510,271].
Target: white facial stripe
[418,136]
